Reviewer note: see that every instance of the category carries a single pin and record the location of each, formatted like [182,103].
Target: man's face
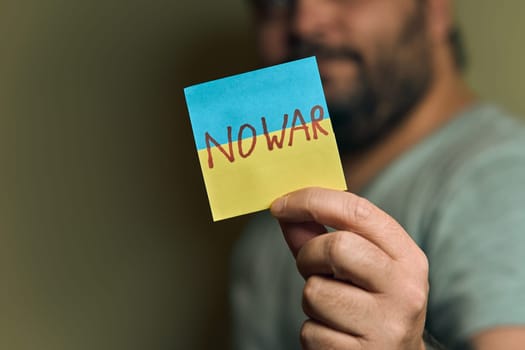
[374,57]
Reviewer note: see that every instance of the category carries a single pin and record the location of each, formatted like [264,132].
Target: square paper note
[262,134]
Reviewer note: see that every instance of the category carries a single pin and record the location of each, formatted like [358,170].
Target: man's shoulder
[481,136]
[483,141]
[473,227]
[488,139]
[484,128]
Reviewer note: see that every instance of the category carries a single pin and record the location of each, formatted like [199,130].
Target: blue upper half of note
[245,98]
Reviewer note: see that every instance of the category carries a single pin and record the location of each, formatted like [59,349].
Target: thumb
[296,234]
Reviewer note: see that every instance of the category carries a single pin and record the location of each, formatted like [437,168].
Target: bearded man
[444,252]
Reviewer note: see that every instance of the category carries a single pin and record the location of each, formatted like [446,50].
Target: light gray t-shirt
[460,194]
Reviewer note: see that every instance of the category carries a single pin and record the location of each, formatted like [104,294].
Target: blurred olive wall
[494,33]
[106,240]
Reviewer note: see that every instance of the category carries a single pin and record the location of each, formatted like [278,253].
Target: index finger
[344,211]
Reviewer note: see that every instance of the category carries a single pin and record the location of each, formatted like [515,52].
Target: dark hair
[265,6]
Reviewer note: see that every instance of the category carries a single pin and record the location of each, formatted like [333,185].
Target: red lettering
[272,141]
[315,121]
[229,155]
[298,116]
[239,140]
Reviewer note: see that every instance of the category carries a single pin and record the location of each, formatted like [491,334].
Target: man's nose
[311,18]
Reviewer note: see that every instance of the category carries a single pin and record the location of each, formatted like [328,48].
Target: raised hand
[366,284]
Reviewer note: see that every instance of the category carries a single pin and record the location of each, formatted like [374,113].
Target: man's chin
[342,97]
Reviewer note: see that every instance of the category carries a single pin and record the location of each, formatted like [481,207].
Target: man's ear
[440,19]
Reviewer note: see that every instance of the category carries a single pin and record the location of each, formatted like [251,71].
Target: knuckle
[399,332]
[358,209]
[310,201]
[389,224]
[417,299]
[305,335]
[414,303]
[310,292]
[411,311]
[421,270]
[337,247]
[313,194]
[423,264]
[405,331]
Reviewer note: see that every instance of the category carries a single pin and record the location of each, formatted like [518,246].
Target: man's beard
[385,91]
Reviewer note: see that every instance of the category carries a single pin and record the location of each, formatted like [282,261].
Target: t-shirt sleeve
[477,250]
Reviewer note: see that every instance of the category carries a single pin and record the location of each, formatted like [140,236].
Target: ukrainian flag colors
[262,134]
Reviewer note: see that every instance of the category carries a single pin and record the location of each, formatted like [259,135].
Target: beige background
[106,240]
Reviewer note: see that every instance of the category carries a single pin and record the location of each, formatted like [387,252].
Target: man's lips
[330,67]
